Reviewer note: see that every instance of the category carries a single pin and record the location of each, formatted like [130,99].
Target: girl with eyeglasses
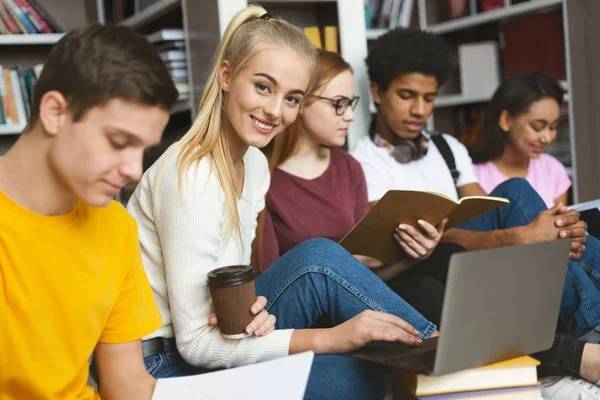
[319,190]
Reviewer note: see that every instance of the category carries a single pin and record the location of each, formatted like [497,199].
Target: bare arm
[367,327]
[122,372]
[562,199]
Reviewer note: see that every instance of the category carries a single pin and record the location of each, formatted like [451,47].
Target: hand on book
[262,324]
[418,244]
[367,327]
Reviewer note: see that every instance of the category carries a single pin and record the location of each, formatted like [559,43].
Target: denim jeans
[314,279]
[580,307]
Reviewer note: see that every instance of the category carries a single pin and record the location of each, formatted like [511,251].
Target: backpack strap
[444,148]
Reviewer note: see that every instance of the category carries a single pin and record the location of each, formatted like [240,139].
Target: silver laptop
[499,304]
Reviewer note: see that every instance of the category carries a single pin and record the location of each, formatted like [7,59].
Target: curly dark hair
[515,95]
[401,51]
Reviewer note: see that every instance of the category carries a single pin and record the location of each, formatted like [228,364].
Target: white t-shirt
[429,173]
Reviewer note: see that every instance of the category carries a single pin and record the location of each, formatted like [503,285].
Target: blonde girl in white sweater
[197,210]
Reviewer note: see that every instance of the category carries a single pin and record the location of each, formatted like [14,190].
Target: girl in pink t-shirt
[520,123]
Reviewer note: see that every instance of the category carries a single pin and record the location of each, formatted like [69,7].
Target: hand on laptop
[263,322]
[418,244]
[367,327]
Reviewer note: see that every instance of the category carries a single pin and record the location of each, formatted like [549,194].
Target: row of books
[170,43]
[323,39]
[388,14]
[24,17]
[16,91]
[462,8]
[513,379]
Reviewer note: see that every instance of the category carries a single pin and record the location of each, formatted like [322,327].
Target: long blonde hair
[245,36]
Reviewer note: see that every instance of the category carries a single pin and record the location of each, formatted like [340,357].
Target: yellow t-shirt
[66,283]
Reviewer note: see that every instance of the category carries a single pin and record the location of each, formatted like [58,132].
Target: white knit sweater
[182,239]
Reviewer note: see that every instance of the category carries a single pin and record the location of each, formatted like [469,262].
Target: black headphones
[405,150]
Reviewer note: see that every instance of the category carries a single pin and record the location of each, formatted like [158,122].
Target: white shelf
[459,99]
[30,39]
[493,15]
[151,13]
[375,33]
[11,129]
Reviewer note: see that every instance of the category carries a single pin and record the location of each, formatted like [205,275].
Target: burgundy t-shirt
[328,206]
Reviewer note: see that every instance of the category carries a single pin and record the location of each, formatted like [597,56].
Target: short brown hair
[96,63]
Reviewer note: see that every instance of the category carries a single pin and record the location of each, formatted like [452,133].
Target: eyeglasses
[342,104]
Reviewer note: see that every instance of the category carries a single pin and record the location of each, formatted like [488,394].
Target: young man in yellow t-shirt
[71,275]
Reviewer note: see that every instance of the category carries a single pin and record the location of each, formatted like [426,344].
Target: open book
[590,213]
[373,235]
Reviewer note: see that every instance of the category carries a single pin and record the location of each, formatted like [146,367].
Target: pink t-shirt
[545,174]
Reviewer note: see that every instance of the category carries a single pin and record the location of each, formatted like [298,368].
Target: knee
[319,246]
[515,185]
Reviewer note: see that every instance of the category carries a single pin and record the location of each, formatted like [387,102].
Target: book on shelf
[479,67]
[373,235]
[16,90]
[314,35]
[176,64]
[165,35]
[25,17]
[331,38]
[388,14]
[171,45]
[512,374]
[488,5]
[173,55]
[535,43]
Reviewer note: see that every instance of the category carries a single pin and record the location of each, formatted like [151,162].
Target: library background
[490,40]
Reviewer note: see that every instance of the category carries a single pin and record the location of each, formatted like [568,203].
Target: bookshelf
[581,63]
[31,49]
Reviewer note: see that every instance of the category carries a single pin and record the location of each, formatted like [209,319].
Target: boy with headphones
[406,68]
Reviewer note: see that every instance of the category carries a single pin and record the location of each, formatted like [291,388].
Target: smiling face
[318,117]
[405,106]
[530,133]
[97,155]
[263,98]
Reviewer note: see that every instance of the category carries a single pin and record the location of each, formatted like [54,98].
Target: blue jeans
[580,308]
[314,279]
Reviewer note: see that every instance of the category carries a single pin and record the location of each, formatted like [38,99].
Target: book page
[472,207]
[284,378]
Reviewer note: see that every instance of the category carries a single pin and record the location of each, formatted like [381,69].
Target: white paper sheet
[284,378]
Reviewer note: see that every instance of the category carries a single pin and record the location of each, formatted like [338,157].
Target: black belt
[158,345]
